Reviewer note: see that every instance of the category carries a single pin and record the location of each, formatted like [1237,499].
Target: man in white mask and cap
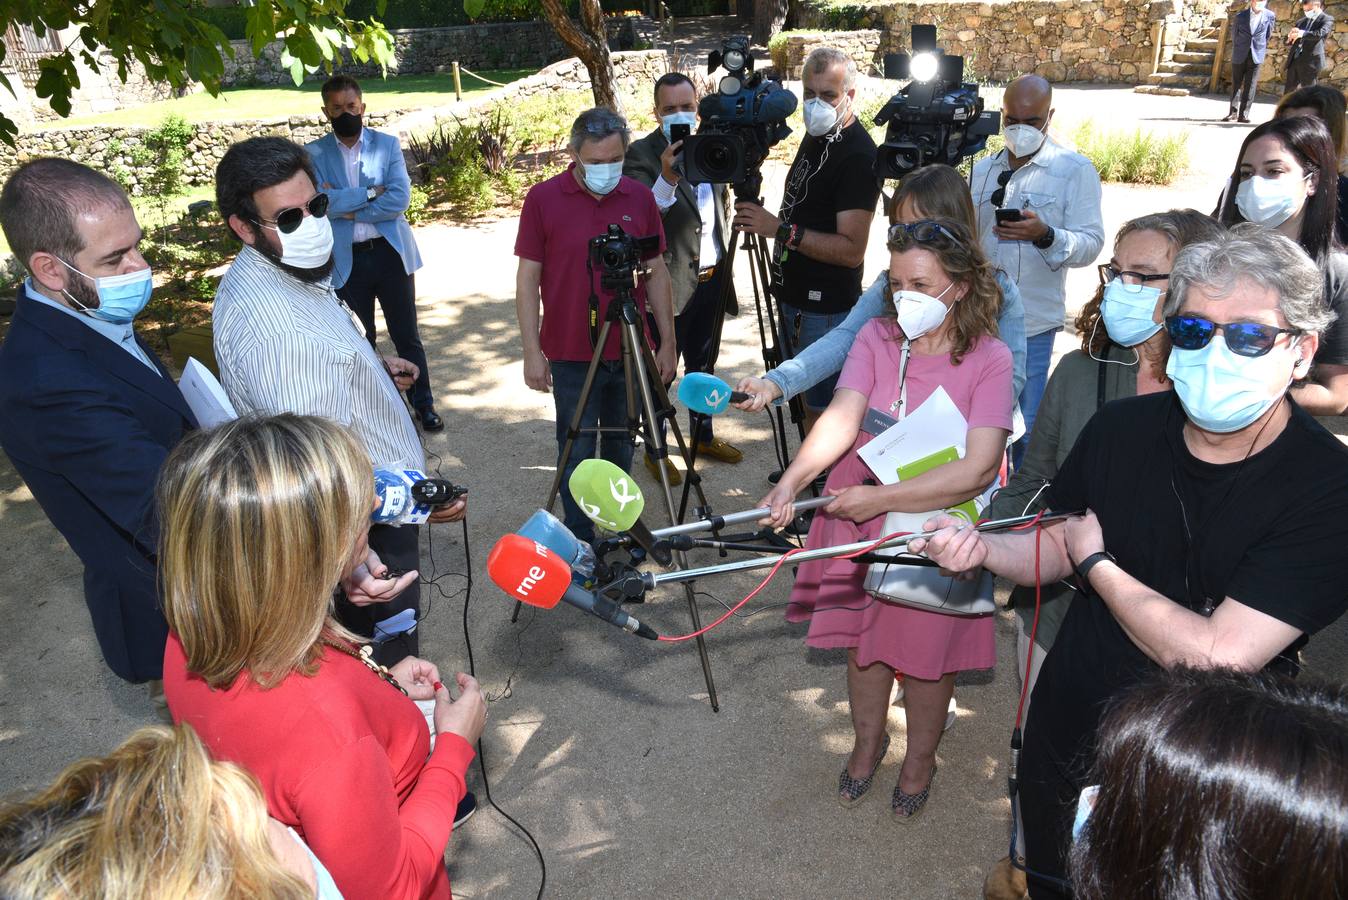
[819,235]
[1038,209]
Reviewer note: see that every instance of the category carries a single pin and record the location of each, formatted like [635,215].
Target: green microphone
[612,500]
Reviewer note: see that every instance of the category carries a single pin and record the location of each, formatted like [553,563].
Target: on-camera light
[730,85]
[924,66]
[733,59]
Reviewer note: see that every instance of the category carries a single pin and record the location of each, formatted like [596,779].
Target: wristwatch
[1084,567]
[370,194]
[783,233]
[1046,240]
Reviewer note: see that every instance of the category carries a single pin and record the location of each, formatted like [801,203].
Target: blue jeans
[607,408]
[1038,358]
[799,329]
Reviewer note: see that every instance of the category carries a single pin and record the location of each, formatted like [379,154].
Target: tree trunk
[769,17]
[589,42]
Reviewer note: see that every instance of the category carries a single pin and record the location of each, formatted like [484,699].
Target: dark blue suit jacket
[1250,39]
[87,426]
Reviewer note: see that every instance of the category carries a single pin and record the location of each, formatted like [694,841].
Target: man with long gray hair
[1214,520]
[560,217]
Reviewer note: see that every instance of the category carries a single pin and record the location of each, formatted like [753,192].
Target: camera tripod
[644,417]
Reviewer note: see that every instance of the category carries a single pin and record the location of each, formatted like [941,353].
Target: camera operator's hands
[465,716]
[667,362]
[667,162]
[416,676]
[761,392]
[369,582]
[451,513]
[957,547]
[754,219]
[537,374]
[1029,228]
[403,373]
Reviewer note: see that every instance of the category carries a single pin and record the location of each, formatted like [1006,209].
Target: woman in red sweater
[262,519]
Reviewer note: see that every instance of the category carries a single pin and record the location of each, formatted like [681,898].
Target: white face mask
[1269,201]
[821,116]
[1024,140]
[920,313]
[308,246]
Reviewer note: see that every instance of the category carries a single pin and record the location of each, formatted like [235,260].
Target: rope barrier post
[458,87]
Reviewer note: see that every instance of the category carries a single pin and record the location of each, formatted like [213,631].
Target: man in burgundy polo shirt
[560,217]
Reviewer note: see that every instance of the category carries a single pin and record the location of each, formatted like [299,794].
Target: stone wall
[790,50]
[107,148]
[1063,40]
[509,45]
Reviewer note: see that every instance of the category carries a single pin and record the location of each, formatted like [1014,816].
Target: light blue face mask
[1085,806]
[1220,391]
[677,118]
[602,177]
[120,297]
[1127,310]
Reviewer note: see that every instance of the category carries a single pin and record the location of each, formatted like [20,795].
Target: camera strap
[594,306]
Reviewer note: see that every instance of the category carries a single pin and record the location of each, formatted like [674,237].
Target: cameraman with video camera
[561,216]
[825,218]
[695,229]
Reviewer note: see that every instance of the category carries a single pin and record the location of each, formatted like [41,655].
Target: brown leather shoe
[719,449]
[675,476]
[1005,882]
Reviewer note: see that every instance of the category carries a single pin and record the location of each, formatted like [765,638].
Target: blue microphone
[707,394]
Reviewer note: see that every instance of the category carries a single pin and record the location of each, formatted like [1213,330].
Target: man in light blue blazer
[374,254]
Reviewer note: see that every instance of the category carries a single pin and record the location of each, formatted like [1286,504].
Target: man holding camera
[695,230]
[1038,210]
[825,219]
[560,218]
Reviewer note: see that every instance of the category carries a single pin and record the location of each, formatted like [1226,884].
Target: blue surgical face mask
[677,118]
[1222,392]
[120,297]
[1127,310]
[602,177]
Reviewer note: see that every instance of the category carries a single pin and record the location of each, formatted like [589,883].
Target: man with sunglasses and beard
[1215,517]
[286,342]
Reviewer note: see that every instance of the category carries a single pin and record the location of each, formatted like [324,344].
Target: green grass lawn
[394,92]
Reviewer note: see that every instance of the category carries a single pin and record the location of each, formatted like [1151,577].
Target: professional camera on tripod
[937,117]
[619,257]
[740,123]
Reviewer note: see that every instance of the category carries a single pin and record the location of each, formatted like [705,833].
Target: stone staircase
[1188,70]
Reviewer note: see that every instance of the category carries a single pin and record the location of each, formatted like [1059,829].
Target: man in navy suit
[87,411]
[1250,31]
[374,254]
[1306,53]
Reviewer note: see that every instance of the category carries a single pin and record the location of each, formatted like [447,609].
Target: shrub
[1135,157]
[416,206]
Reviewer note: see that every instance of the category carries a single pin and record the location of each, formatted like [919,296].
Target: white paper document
[934,426]
[209,402]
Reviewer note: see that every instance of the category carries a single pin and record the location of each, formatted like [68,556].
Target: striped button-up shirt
[285,345]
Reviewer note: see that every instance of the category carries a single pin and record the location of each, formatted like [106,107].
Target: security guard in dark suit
[696,231]
[1306,55]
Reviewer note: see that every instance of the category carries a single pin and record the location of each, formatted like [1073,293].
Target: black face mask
[346,125]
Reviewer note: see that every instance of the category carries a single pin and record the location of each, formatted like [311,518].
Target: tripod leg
[698,420]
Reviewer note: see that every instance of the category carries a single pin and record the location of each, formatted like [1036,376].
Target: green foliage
[183,252]
[176,44]
[416,206]
[1134,157]
[835,16]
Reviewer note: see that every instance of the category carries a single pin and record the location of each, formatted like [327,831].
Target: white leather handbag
[923,586]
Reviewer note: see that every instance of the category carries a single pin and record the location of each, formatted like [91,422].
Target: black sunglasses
[923,232]
[1243,338]
[1133,280]
[287,220]
[999,195]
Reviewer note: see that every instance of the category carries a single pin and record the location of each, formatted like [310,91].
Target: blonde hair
[259,518]
[155,818]
[974,316]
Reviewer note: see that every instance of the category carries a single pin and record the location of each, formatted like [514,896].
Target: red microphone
[533,574]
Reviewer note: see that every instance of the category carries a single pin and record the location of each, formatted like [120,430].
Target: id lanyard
[898,406]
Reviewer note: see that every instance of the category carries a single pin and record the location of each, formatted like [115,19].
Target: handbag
[923,586]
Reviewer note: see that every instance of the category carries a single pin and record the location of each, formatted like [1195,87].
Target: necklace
[365,656]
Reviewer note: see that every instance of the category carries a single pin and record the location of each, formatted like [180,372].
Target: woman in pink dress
[946,303]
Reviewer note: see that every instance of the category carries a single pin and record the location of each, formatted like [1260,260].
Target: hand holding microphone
[760,391]
[612,500]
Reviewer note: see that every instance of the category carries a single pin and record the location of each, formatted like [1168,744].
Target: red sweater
[342,758]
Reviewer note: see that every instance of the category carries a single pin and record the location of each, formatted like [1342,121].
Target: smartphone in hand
[1008,215]
[679,132]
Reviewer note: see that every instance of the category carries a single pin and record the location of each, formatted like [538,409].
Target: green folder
[966,510]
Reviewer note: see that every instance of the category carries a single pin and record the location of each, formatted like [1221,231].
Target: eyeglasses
[999,195]
[287,220]
[923,232]
[1243,338]
[1131,280]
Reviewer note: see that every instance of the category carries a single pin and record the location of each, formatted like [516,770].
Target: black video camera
[619,256]
[937,117]
[740,123]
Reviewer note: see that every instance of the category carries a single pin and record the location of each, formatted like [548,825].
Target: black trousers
[695,329]
[1244,82]
[377,272]
[1301,73]
[399,548]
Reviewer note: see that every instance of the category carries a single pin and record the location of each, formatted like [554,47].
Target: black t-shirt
[1270,533]
[1334,342]
[826,178]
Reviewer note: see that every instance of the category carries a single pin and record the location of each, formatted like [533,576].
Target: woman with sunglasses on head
[263,517]
[931,192]
[941,334]
[1286,178]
